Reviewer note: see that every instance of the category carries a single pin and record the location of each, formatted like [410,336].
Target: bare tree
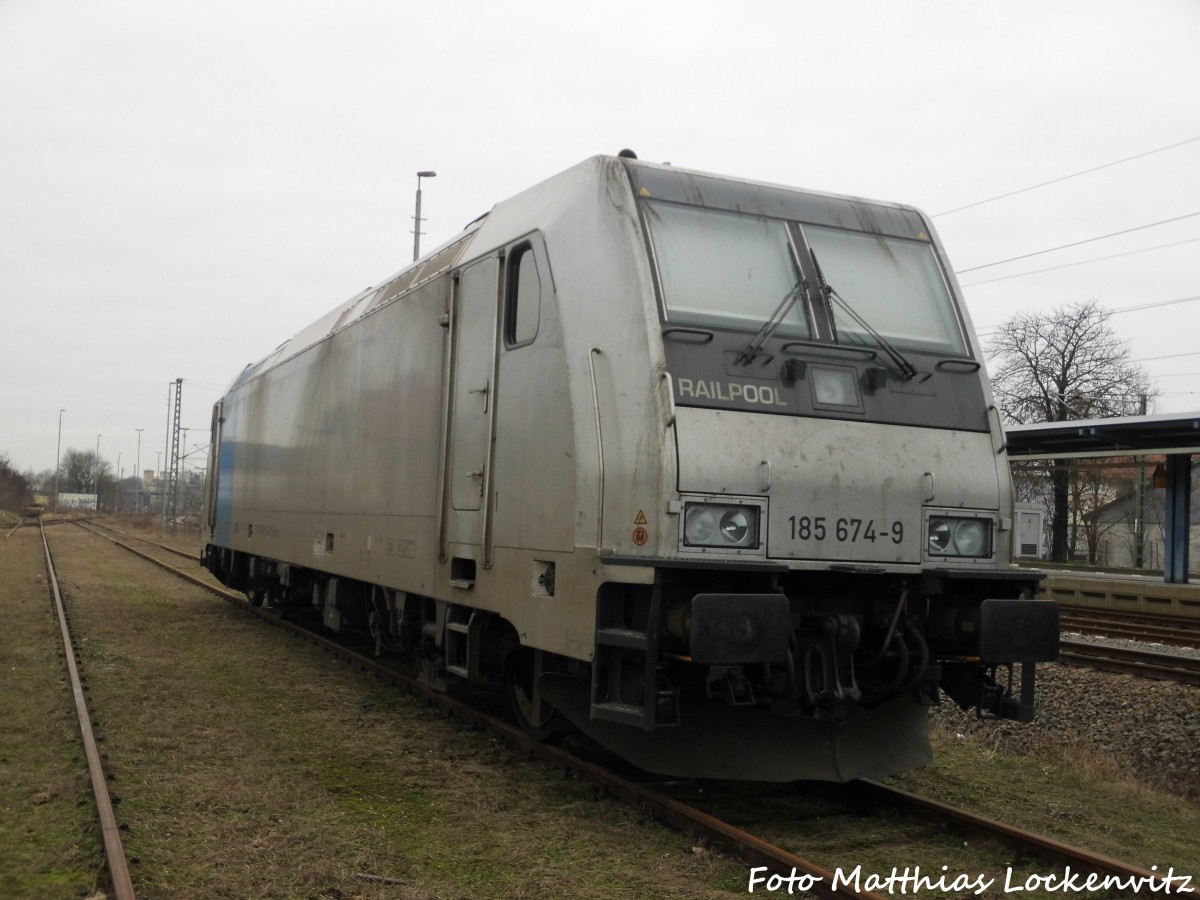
[14,487]
[41,481]
[1061,365]
[83,471]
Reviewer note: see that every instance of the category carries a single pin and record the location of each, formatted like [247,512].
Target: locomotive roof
[412,276]
[661,181]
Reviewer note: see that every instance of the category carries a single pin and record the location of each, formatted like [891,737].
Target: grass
[1058,790]
[1067,791]
[49,842]
[249,763]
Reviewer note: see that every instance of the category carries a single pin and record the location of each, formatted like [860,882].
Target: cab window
[523,297]
[724,269]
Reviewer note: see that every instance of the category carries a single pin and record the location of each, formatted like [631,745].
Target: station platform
[1123,593]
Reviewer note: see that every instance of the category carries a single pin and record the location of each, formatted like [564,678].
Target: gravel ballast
[1150,728]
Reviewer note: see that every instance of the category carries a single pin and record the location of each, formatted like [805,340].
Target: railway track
[114,853]
[1131,661]
[22,521]
[775,867]
[125,535]
[1132,626]
[26,521]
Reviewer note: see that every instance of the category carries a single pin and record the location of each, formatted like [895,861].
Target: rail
[184,553]
[1130,661]
[114,852]
[1132,625]
[1017,838]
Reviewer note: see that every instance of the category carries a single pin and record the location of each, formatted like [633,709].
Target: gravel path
[1151,728]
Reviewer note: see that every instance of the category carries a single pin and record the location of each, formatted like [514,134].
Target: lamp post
[417,217]
[96,473]
[117,495]
[137,490]
[58,460]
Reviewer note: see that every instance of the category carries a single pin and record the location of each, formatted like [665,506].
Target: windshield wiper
[776,318]
[907,371]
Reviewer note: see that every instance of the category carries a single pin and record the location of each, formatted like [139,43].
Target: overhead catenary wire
[1043,184]
[1082,262]
[1079,243]
[986,333]
[1166,356]
[1154,304]
[1137,307]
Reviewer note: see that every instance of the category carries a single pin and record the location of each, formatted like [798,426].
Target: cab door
[473,404]
[214,468]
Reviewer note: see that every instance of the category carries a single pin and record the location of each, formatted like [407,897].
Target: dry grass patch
[49,842]
[149,527]
[249,763]
[1067,791]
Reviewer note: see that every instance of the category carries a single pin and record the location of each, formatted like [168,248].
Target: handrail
[865,352]
[214,466]
[666,379]
[599,448]
[959,365]
[994,413]
[448,375]
[693,335]
[486,551]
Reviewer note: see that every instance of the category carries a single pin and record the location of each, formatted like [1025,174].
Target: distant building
[1116,525]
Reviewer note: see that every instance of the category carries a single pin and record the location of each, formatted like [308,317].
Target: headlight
[951,536]
[712,525]
[735,526]
[701,525]
[834,386]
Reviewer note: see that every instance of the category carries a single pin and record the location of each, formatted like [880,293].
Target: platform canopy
[1175,436]
[1091,438]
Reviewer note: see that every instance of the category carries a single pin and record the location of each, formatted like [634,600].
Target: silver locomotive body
[708,468]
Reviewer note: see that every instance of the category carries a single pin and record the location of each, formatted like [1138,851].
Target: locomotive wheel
[521,697]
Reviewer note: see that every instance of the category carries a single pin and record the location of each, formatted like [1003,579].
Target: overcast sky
[185,185]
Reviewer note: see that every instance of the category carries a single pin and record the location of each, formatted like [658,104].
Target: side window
[523,297]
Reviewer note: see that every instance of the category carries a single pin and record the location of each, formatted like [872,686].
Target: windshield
[724,269]
[894,284]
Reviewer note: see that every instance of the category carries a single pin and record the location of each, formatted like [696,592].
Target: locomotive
[707,469]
